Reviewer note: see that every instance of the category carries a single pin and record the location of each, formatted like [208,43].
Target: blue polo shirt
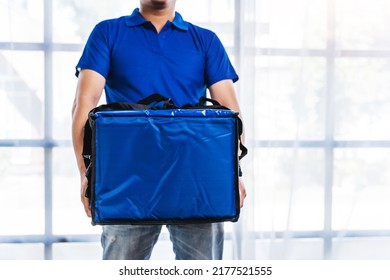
[180,62]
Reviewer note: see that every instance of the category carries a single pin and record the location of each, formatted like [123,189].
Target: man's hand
[84,199]
[242,192]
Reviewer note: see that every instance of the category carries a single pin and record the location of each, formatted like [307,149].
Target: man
[153,50]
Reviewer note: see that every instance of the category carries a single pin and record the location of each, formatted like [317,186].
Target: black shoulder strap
[154,99]
[202,104]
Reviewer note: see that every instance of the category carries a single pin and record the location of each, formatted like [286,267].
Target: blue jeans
[136,242]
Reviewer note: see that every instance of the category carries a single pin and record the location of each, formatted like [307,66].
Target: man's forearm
[77,138]
[88,92]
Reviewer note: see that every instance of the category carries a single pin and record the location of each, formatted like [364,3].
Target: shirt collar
[136,19]
[179,22]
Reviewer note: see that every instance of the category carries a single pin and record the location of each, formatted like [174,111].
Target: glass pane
[21,95]
[361,191]
[363,24]
[290,98]
[209,14]
[64,88]
[362,103]
[291,24]
[68,213]
[16,15]
[77,251]
[74,20]
[289,249]
[163,249]
[289,190]
[370,248]
[22,251]
[206,10]
[21,191]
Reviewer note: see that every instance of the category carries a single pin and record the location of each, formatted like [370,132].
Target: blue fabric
[180,62]
[165,166]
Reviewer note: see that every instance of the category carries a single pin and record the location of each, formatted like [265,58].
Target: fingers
[242,192]
[84,199]
[87,207]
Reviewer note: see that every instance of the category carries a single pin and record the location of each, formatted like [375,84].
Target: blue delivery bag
[164,166]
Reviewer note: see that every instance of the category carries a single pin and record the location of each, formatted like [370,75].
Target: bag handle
[155,98]
[203,100]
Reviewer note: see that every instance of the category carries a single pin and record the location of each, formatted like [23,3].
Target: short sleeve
[96,54]
[218,65]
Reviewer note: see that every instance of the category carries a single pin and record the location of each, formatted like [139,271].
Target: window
[321,148]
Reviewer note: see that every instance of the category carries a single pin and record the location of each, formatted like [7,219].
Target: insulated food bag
[162,166]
